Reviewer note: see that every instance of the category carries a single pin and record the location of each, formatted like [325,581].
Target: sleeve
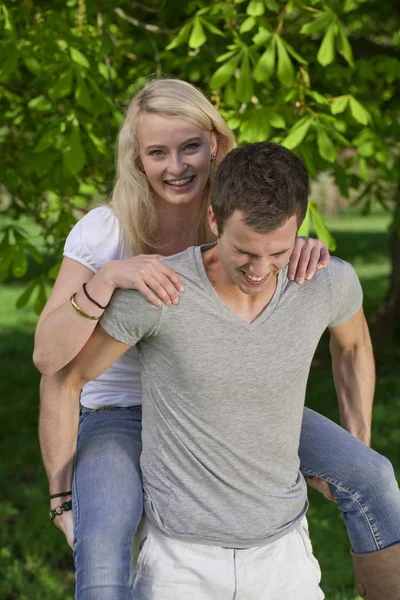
[129,317]
[95,240]
[346,291]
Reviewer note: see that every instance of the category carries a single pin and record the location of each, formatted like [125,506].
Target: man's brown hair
[265,181]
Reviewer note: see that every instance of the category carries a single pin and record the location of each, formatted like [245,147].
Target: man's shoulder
[337,270]
[184,263]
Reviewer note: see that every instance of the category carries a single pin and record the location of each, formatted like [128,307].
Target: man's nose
[259,267]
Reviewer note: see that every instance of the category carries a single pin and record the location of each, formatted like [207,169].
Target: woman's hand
[157,282]
[65,523]
[321,486]
[308,255]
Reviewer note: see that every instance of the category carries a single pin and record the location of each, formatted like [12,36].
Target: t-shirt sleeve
[346,291]
[130,317]
[95,240]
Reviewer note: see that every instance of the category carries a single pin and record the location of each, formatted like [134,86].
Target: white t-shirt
[94,241]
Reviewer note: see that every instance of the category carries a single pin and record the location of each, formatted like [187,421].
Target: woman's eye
[156,153]
[192,146]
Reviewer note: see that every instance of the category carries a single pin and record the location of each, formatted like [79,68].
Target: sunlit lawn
[35,563]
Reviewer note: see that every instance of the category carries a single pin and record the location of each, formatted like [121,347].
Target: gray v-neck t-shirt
[223,400]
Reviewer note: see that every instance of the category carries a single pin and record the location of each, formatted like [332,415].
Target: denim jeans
[107,493]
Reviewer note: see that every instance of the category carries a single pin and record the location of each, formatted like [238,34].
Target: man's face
[252,260]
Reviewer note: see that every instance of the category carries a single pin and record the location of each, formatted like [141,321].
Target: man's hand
[65,522]
[321,486]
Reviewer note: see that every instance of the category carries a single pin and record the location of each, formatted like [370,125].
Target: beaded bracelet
[82,312]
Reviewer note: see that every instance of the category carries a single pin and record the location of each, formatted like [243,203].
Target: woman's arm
[62,332]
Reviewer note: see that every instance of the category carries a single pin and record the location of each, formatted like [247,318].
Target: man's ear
[212,222]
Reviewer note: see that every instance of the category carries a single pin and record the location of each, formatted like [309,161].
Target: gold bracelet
[82,312]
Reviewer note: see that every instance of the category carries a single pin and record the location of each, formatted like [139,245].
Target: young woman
[169,145]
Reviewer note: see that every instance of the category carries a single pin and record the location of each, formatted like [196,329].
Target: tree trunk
[389,312]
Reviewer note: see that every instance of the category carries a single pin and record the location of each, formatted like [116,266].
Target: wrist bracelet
[92,299]
[60,495]
[58,510]
[82,312]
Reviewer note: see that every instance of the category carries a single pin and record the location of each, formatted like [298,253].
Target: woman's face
[176,157]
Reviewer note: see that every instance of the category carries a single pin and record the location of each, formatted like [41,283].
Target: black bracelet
[60,495]
[58,510]
[91,299]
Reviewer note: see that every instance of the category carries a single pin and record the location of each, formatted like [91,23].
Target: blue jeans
[107,493]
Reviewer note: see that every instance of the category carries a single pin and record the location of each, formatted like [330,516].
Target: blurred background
[321,77]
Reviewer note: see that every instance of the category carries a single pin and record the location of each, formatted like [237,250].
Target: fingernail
[181,288]
[175,301]
[290,277]
[300,280]
[308,277]
[168,302]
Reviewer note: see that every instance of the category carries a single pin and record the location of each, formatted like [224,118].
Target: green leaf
[255,128]
[32,64]
[343,46]
[262,37]
[359,113]
[320,227]
[20,262]
[74,157]
[198,36]
[63,85]
[82,94]
[266,65]
[40,103]
[295,54]
[363,169]
[247,25]
[47,139]
[53,272]
[326,148]
[285,69]
[326,52]
[276,120]
[244,84]
[297,134]
[212,27]
[321,22]
[272,5]
[224,73]
[181,38]
[256,8]
[7,21]
[79,58]
[24,298]
[305,226]
[41,298]
[339,105]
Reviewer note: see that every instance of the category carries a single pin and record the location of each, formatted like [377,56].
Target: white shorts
[168,568]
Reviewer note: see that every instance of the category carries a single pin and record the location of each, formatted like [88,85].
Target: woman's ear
[214,143]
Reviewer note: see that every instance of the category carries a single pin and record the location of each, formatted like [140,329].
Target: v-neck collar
[266,313]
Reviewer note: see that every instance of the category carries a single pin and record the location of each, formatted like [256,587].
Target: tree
[321,77]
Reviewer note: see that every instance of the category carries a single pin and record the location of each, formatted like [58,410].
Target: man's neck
[247,307]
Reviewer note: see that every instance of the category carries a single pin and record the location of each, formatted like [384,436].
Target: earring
[213,155]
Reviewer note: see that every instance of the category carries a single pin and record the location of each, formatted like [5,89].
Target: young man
[224,376]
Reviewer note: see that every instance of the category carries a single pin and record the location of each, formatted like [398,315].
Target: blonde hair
[132,198]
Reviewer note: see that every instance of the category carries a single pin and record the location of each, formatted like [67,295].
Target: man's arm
[354,374]
[59,414]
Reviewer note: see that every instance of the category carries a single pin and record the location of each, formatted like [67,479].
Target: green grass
[35,562]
